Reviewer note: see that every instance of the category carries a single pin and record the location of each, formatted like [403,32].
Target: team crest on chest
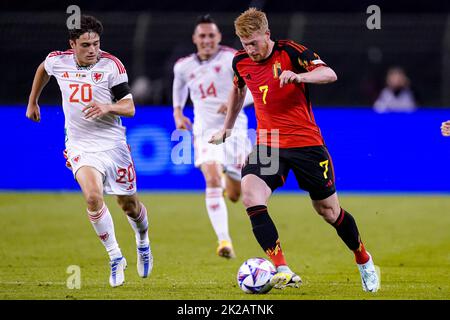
[217,69]
[97,76]
[276,67]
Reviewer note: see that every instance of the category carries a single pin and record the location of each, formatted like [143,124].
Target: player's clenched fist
[33,112]
[288,76]
[445,128]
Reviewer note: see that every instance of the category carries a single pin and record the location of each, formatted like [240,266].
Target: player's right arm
[235,104]
[180,93]
[181,121]
[41,78]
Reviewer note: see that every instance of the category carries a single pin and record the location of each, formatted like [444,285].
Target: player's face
[207,38]
[87,48]
[257,45]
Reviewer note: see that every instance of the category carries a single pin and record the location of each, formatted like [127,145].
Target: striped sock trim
[142,214]
[214,193]
[256,210]
[96,216]
[339,219]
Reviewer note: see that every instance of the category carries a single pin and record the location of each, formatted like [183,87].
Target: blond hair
[250,22]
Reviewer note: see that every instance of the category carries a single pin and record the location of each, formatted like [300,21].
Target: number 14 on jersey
[210,91]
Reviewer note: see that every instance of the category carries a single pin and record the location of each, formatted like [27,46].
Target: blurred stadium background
[399,153]
[150,37]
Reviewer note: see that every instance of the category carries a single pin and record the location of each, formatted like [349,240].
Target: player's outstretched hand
[96,109]
[33,112]
[287,76]
[445,128]
[219,137]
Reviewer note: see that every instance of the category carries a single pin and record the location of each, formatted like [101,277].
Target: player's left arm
[124,107]
[308,67]
[319,75]
[123,104]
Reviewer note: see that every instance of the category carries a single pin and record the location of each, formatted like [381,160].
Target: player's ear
[72,43]
[267,33]
[219,37]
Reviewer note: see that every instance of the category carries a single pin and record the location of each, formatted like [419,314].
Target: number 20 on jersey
[81,92]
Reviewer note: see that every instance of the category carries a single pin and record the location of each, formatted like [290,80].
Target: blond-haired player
[207,76]
[278,73]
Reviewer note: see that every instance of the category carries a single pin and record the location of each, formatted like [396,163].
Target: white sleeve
[248,98]
[118,74]
[128,96]
[49,62]
[180,89]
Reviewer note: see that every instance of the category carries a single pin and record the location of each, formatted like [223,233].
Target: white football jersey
[80,86]
[209,83]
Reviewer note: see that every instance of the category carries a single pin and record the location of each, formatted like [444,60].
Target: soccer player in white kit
[95,93]
[207,76]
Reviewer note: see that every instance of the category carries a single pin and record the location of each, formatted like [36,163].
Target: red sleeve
[237,79]
[301,57]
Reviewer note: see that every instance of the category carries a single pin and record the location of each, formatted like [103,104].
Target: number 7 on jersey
[264,90]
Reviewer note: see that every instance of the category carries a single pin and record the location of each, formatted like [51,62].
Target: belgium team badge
[276,69]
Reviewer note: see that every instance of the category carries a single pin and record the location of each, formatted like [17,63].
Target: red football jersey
[287,109]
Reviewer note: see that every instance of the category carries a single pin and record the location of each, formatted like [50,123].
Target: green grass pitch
[43,234]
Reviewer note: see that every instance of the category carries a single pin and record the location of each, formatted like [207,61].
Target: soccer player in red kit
[277,73]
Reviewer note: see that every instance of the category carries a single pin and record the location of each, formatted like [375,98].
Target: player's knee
[213,181]
[130,206]
[249,199]
[328,213]
[94,201]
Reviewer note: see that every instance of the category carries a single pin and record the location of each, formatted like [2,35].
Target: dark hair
[204,19]
[87,24]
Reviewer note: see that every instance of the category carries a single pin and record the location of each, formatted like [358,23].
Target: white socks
[104,227]
[217,211]
[140,227]
[284,268]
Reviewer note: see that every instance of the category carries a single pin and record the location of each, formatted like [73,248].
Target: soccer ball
[254,275]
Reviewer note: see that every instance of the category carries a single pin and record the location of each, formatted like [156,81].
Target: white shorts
[116,166]
[231,154]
